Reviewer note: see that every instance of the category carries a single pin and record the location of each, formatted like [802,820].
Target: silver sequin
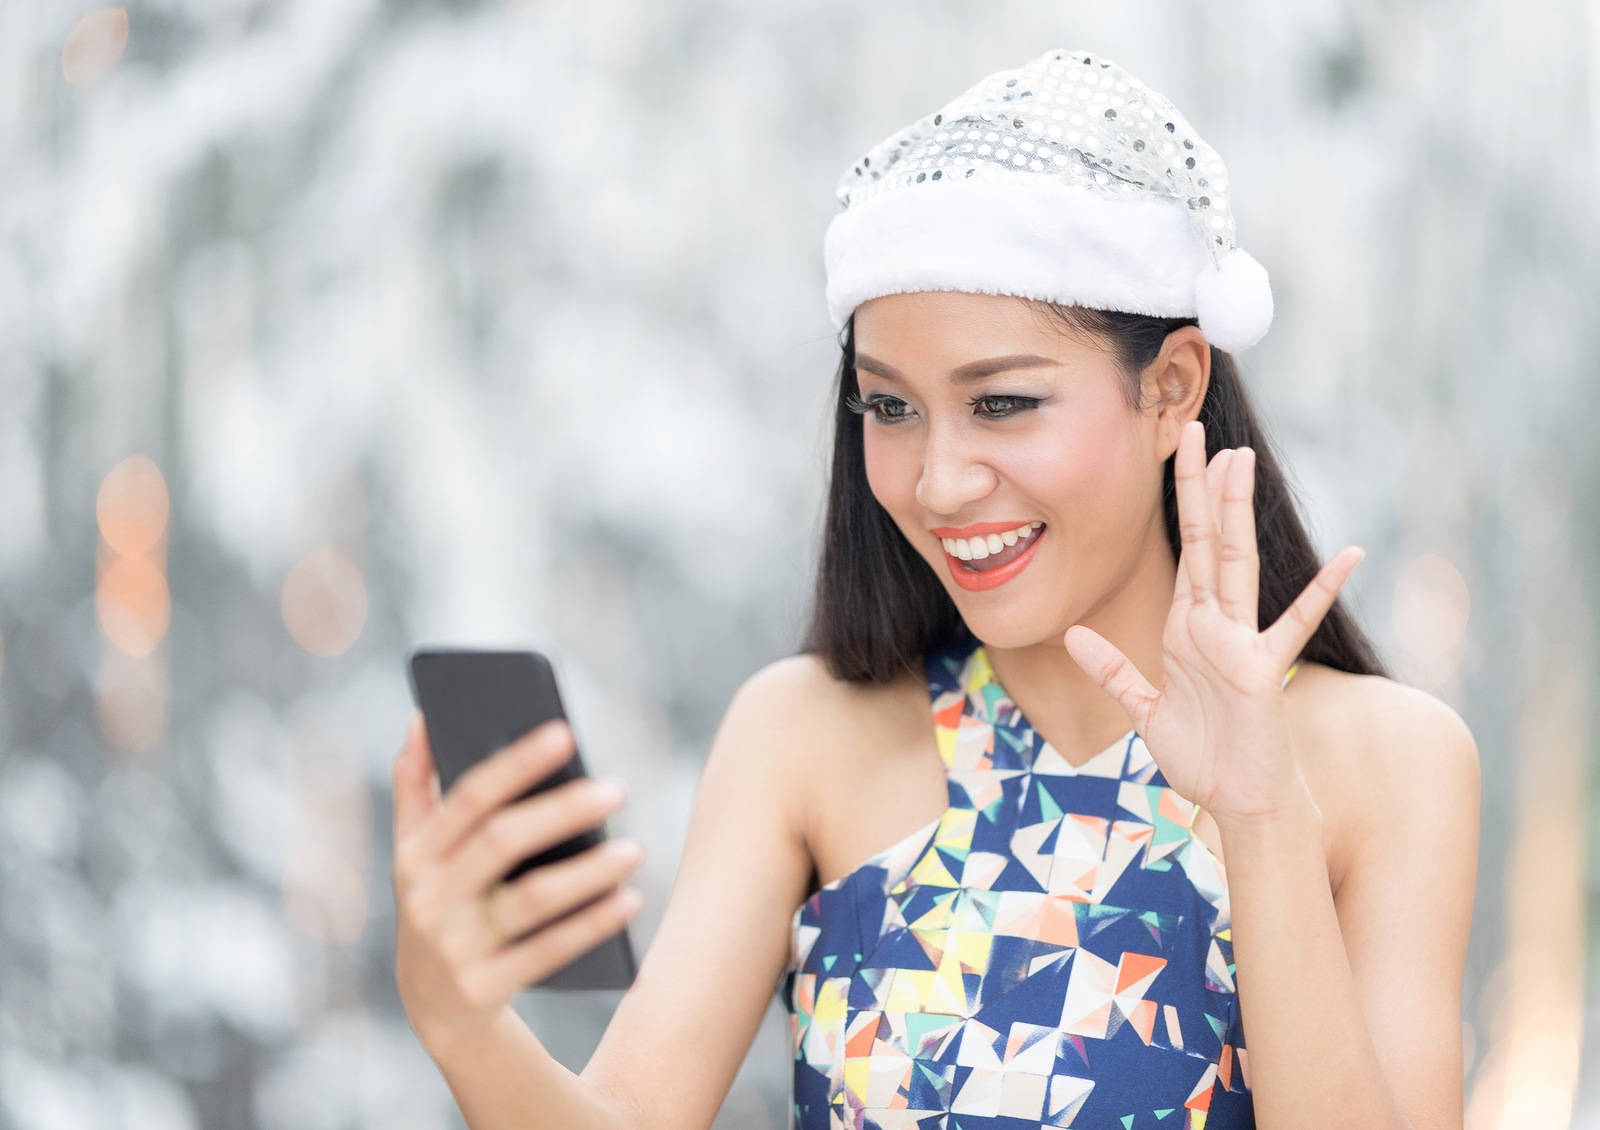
[1068,116]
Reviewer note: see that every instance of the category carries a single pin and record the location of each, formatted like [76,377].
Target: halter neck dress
[1054,950]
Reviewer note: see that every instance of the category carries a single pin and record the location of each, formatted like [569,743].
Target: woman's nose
[952,475]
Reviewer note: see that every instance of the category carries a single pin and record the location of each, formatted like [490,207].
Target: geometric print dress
[1054,950]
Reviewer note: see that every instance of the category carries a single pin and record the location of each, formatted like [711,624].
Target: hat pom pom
[1233,301]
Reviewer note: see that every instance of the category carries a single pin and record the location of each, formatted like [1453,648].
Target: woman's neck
[1057,697]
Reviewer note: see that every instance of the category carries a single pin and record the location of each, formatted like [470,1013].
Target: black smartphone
[476,702]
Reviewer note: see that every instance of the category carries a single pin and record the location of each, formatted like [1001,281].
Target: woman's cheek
[891,471]
[1074,476]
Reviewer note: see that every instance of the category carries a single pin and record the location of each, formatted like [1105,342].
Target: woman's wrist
[1291,810]
[450,1049]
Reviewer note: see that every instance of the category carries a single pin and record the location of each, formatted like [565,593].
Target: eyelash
[876,404]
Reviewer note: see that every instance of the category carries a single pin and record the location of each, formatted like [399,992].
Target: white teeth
[956,547]
[986,545]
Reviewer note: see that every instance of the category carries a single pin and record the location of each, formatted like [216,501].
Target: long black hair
[878,607]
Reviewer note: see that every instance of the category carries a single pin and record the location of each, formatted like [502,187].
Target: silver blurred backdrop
[328,327]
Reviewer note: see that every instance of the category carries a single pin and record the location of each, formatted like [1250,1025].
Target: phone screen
[474,703]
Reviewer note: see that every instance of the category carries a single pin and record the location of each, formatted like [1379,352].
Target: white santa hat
[1066,180]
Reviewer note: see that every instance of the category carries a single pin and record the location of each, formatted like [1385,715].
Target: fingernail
[631,899]
[625,849]
[609,793]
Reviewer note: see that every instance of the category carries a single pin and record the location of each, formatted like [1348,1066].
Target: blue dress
[1054,950]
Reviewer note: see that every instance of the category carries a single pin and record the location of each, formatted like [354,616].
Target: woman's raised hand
[1217,727]
[466,942]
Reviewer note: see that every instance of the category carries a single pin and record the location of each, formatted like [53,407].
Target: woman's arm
[1318,1009]
[679,1035]
[1352,1006]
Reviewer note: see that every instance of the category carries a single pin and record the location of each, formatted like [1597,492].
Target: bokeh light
[94,46]
[325,896]
[324,602]
[132,507]
[1430,612]
[133,604]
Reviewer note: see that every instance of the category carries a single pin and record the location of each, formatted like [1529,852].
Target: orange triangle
[1135,967]
[859,1046]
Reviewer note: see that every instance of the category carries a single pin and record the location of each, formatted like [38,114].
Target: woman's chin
[1011,624]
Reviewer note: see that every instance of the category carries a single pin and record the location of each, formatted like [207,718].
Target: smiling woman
[1036,828]
[870,631]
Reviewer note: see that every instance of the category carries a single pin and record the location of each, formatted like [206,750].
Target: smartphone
[474,703]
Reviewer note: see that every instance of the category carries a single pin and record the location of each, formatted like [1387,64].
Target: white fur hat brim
[1049,241]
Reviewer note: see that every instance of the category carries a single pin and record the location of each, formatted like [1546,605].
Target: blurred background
[328,327]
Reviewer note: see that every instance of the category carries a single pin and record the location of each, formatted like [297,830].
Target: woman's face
[1005,448]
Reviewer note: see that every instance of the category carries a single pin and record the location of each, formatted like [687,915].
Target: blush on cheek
[1083,474]
[892,471]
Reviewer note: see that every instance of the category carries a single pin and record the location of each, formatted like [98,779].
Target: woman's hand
[1217,728]
[467,943]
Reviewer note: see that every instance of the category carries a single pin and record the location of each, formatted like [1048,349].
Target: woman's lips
[996,569]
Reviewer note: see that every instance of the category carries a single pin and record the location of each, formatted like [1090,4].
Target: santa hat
[1066,180]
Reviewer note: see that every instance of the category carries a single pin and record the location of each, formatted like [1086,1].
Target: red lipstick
[981,580]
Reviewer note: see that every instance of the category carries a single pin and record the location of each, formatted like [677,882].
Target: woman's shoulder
[1375,750]
[802,704]
[1356,717]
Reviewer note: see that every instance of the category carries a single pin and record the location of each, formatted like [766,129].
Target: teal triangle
[1217,1025]
[827,961]
[1127,1122]
[1048,808]
[1164,1113]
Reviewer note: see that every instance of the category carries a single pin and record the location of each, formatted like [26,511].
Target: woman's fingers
[1238,566]
[1216,474]
[1216,471]
[1197,529]
[1293,630]
[416,795]
[1115,673]
[494,782]
[525,962]
[548,893]
[529,827]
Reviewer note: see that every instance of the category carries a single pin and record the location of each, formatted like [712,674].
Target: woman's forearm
[1311,1055]
[505,1079]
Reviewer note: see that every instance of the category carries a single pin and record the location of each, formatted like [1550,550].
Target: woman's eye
[885,409]
[1004,405]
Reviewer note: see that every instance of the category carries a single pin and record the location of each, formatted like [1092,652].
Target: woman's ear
[1174,384]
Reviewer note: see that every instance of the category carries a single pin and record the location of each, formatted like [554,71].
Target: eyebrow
[971,371]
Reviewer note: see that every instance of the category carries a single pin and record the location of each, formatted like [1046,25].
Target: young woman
[1084,774]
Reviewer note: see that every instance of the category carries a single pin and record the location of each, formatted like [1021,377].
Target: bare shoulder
[797,699]
[1374,749]
[800,733]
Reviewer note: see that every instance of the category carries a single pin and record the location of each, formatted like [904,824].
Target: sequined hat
[1066,180]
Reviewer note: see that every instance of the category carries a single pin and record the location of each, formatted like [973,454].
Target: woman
[1084,773]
